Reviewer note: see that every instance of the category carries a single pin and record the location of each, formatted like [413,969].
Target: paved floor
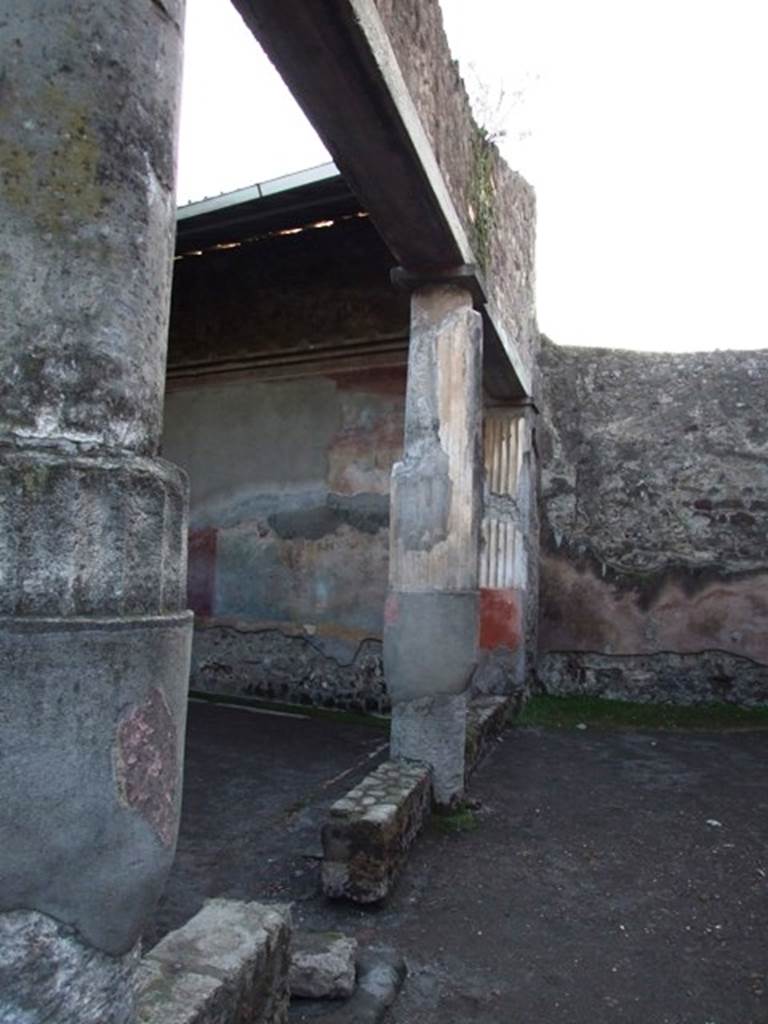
[612,877]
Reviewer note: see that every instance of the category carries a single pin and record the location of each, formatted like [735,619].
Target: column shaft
[431,620]
[94,636]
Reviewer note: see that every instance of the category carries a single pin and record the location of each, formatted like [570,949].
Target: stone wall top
[495,204]
[653,459]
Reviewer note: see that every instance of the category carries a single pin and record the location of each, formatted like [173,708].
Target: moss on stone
[480,196]
[461,818]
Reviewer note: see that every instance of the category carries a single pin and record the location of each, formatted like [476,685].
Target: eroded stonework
[47,974]
[654,501]
[675,678]
[371,829]
[297,668]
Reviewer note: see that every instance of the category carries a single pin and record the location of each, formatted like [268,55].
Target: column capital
[465,275]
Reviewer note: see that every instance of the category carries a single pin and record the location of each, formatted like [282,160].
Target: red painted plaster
[500,619]
[385,380]
[201,572]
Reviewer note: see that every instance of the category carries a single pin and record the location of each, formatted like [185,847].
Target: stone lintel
[505,378]
[354,94]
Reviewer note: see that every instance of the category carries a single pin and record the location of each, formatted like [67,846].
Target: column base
[92,740]
[434,730]
[49,976]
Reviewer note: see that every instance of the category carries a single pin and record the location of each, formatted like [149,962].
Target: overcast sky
[640,125]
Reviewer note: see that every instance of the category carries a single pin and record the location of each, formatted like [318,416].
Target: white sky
[642,126]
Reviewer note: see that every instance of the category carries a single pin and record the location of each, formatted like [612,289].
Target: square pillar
[432,611]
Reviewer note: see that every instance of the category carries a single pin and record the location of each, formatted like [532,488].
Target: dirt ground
[604,877]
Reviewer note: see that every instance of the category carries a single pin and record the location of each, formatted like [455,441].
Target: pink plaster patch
[146,766]
[391,610]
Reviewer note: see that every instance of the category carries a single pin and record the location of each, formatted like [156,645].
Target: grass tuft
[594,712]
[460,819]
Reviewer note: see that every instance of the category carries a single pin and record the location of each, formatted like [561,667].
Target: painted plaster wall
[654,511]
[289,530]
[278,408]
[285,405]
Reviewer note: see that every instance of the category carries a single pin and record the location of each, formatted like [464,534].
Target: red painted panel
[201,572]
[383,380]
[500,618]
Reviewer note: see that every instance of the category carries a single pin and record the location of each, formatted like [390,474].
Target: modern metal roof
[323,172]
[291,201]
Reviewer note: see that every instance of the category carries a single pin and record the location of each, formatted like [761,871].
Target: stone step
[366,840]
[381,973]
[227,965]
[322,965]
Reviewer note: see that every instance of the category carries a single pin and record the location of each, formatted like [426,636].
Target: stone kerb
[228,965]
[371,829]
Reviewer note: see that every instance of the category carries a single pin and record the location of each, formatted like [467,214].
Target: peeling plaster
[146,762]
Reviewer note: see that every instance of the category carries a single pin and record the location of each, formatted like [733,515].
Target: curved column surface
[94,636]
[87,140]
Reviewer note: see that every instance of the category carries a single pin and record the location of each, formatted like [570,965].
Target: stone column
[431,617]
[94,636]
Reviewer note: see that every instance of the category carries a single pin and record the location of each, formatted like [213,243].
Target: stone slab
[322,965]
[47,973]
[227,965]
[381,973]
[371,829]
[486,718]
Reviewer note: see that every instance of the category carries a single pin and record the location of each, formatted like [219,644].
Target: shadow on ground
[609,876]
